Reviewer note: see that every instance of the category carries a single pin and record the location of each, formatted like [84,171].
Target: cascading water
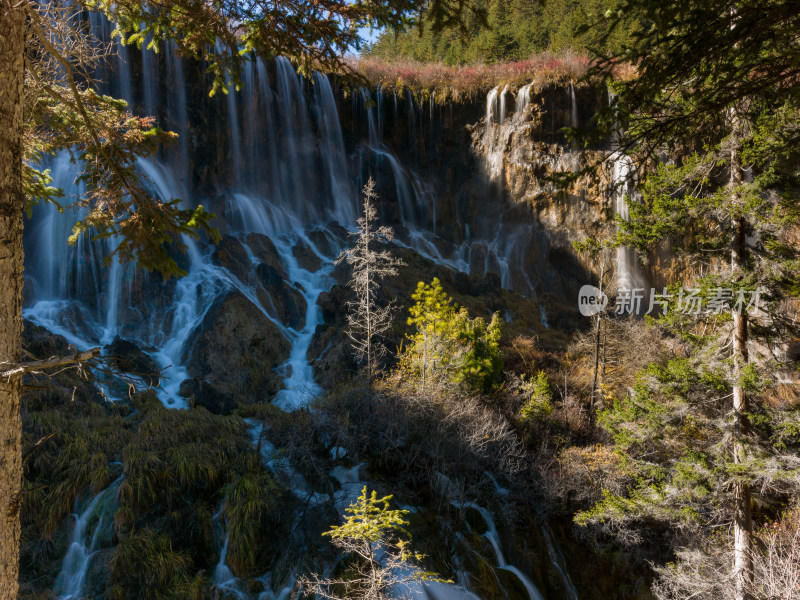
[91,304]
[573,106]
[491,101]
[628,273]
[494,539]
[503,95]
[89,525]
[523,97]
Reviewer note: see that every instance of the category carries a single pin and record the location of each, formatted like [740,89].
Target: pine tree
[382,565]
[367,320]
[448,346]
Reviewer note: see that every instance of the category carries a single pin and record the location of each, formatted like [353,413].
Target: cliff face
[486,168]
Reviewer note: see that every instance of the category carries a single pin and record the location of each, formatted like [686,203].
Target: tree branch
[56,361]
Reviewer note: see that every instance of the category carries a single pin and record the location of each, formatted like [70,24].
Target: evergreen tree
[716,92]
[512,30]
[382,564]
[449,346]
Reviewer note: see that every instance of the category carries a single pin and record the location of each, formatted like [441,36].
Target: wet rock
[265,252]
[477,285]
[234,351]
[333,304]
[281,299]
[201,393]
[330,352]
[41,343]
[230,254]
[69,384]
[97,574]
[306,257]
[331,356]
[514,587]
[330,240]
[126,356]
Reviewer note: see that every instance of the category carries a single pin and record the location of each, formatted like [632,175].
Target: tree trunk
[597,343]
[742,520]
[12,46]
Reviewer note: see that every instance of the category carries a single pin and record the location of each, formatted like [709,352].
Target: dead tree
[366,319]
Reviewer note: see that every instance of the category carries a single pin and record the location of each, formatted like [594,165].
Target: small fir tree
[538,405]
[383,564]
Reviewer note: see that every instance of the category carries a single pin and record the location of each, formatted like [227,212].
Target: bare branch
[50,363]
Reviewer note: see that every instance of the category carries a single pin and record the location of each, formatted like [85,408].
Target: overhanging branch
[50,363]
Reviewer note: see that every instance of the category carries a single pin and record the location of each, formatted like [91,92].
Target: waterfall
[290,175]
[628,273]
[341,190]
[491,100]
[299,385]
[557,560]
[149,79]
[573,106]
[523,98]
[234,134]
[82,545]
[224,580]
[502,117]
[491,534]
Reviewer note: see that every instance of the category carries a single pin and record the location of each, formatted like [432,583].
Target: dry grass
[464,82]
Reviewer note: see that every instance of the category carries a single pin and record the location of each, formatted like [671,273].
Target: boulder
[283,301]
[202,393]
[265,252]
[333,305]
[330,239]
[234,352]
[306,257]
[331,356]
[67,384]
[41,343]
[230,254]
[126,356]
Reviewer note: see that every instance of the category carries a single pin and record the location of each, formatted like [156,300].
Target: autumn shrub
[454,83]
[584,472]
[416,435]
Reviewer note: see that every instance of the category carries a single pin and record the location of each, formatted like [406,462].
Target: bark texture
[12,45]
[742,517]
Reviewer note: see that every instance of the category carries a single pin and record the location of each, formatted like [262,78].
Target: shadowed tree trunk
[742,519]
[12,45]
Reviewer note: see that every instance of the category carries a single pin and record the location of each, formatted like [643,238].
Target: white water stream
[83,543]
